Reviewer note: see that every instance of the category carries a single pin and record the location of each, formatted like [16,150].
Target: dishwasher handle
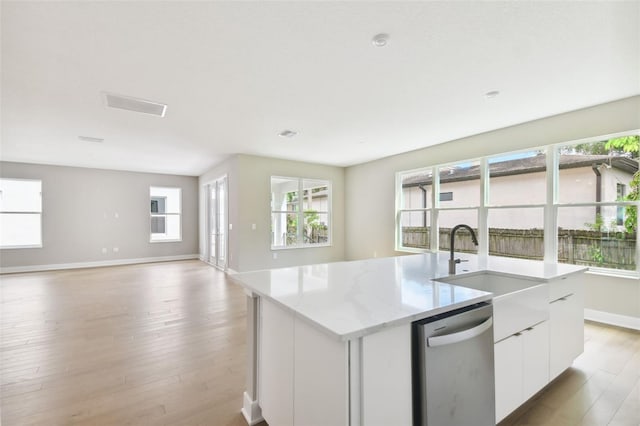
[460,336]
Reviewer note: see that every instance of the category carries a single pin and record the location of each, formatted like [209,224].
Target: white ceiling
[235,74]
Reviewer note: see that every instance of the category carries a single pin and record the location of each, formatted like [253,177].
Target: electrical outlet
[116,249]
[253,226]
[104,250]
[275,256]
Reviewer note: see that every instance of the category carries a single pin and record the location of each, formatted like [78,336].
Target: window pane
[316,195]
[19,230]
[591,172]
[517,233]
[462,180]
[447,219]
[416,229]
[20,195]
[173,227]
[316,230]
[284,229]
[165,200]
[416,189]
[518,178]
[165,227]
[284,194]
[584,238]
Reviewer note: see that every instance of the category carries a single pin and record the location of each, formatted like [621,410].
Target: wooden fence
[591,248]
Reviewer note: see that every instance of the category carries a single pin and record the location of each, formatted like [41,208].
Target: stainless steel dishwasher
[453,374]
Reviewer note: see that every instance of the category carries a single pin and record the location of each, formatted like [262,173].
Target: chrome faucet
[452,261]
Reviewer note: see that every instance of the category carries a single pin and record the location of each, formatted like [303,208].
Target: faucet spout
[452,260]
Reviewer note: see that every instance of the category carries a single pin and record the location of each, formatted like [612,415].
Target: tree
[631,212]
[630,144]
[625,144]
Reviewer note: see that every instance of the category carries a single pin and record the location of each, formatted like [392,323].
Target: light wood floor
[157,344]
[601,388]
[164,344]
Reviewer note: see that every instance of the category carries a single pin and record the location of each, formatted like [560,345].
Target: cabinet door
[275,369]
[566,340]
[535,356]
[509,377]
[320,380]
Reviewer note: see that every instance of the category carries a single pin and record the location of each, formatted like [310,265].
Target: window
[446,196]
[569,203]
[20,213]
[592,206]
[300,212]
[165,214]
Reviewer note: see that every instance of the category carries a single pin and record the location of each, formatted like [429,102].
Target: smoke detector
[380,40]
[287,133]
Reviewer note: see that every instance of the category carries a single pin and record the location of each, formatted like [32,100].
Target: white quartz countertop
[353,299]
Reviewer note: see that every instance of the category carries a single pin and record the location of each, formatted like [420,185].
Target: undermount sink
[517,302]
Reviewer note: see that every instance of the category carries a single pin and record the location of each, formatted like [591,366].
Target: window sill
[166,241]
[305,246]
[21,247]
[629,275]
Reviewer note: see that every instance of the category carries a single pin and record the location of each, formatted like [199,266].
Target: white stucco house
[583,179]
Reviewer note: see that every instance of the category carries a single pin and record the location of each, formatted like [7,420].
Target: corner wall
[250,203]
[79,207]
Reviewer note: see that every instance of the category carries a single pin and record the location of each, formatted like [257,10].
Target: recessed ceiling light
[492,94]
[90,139]
[380,40]
[134,104]
[287,133]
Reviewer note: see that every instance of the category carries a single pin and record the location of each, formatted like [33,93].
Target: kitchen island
[331,343]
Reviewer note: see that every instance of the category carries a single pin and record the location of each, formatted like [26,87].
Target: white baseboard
[612,319]
[251,410]
[96,264]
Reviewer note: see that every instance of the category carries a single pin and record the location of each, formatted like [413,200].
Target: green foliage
[625,144]
[631,212]
[630,144]
[312,219]
[597,226]
[595,253]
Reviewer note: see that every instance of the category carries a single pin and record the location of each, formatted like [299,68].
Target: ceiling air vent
[135,104]
[90,139]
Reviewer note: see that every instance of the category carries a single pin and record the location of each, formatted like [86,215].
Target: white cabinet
[386,377]
[535,355]
[321,378]
[508,371]
[521,367]
[566,319]
[302,372]
[275,364]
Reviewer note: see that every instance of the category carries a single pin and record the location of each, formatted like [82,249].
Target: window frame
[165,215]
[40,213]
[300,213]
[550,206]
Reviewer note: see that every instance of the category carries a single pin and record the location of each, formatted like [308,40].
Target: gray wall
[78,220]
[249,203]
